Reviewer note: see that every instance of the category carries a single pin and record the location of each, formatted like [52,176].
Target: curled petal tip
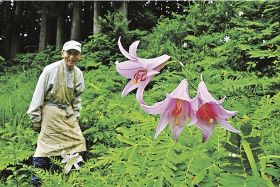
[156,135]
[123,51]
[201,78]
[185,81]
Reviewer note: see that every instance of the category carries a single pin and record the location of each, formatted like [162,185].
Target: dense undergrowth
[235,45]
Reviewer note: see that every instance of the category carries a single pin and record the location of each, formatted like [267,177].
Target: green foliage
[23,61]
[99,49]
[199,37]
[17,145]
[2,60]
[16,93]
[102,48]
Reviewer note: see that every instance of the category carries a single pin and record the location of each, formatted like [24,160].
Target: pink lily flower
[140,71]
[174,110]
[208,112]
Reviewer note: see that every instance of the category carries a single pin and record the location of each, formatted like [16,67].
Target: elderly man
[55,108]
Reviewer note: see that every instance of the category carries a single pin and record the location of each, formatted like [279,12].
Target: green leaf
[231,148]
[246,129]
[250,157]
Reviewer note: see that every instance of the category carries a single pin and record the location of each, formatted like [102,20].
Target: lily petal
[77,166]
[67,168]
[152,72]
[176,130]
[162,123]
[193,120]
[206,134]
[226,125]
[221,112]
[140,91]
[203,126]
[123,51]
[205,95]
[79,159]
[133,48]
[153,63]
[65,160]
[157,108]
[129,87]
[128,68]
[181,91]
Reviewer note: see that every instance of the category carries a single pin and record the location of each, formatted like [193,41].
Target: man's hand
[36,126]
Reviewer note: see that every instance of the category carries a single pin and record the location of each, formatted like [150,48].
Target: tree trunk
[59,32]
[76,21]
[96,14]
[8,31]
[124,8]
[43,29]
[15,44]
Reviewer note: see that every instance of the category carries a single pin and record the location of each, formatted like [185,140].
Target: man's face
[71,57]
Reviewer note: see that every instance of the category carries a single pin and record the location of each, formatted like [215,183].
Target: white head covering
[72,45]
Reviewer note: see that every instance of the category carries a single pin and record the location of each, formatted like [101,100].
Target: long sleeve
[34,110]
[79,89]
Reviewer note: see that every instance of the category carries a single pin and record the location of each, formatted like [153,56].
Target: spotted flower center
[140,75]
[177,110]
[206,113]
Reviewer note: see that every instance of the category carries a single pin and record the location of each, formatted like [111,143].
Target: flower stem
[182,65]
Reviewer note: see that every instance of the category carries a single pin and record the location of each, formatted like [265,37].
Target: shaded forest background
[32,26]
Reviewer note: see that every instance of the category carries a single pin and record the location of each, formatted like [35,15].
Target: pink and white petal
[164,120]
[204,126]
[133,48]
[195,103]
[77,166]
[128,68]
[187,110]
[156,108]
[79,159]
[206,134]
[67,168]
[140,91]
[128,88]
[65,160]
[153,63]
[193,118]
[221,100]
[221,112]
[185,113]
[152,72]
[181,91]
[123,51]
[75,155]
[176,130]
[204,93]
[226,125]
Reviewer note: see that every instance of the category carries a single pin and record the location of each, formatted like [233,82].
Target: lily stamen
[139,76]
[177,110]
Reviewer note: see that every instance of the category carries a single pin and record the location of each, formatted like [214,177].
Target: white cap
[72,45]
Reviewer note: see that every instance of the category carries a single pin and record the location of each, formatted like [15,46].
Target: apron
[59,127]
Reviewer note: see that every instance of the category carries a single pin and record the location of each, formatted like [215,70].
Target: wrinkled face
[71,57]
